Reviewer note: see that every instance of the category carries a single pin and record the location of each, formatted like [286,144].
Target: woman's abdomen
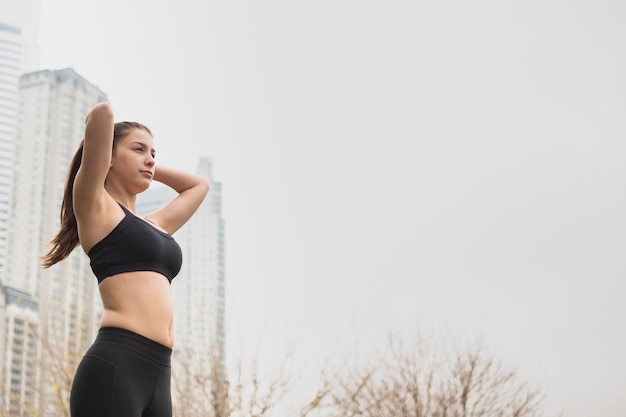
[140,302]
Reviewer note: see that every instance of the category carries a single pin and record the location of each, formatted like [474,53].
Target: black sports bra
[135,245]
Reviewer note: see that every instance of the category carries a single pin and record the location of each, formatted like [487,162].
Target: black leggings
[123,374]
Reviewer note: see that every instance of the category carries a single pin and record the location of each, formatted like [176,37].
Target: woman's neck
[127,200]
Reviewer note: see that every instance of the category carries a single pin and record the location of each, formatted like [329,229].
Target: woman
[126,372]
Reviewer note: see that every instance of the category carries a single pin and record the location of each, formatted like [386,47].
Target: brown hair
[66,239]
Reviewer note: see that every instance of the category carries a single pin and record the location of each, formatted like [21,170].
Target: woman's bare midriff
[140,302]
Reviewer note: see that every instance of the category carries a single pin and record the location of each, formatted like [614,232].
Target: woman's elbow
[205,184]
[101,111]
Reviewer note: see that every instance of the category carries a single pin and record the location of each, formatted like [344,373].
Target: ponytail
[66,239]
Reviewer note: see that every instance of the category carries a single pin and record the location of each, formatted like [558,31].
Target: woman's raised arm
[191,191]
[97,149]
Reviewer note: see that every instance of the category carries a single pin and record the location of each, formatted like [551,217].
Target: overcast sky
[392,166]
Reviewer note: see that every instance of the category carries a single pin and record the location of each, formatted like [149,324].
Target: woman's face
[133,160]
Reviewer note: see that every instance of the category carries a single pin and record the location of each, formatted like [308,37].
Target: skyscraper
[51,121]
[199,295]
[19,52]
[198,290]
[19,318]
[10,67]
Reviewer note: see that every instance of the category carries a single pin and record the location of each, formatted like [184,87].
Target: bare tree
[60,354]
[432,382]
[202,387]
[425,380]
[198,386]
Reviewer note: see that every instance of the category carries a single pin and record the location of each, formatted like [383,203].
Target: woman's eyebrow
[143,145]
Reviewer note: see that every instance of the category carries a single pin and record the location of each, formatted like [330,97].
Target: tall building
[19,370]
[19,318]
[199,295]
[52,106]
[198,290]
[19,53]
[10,67]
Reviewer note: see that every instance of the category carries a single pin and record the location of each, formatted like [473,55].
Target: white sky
[396,165]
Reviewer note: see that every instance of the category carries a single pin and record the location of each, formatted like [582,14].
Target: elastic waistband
[134,341]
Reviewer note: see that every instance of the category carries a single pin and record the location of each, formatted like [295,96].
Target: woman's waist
[111,341]
[157,327]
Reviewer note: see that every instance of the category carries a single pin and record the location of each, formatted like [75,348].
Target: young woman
[126,372]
